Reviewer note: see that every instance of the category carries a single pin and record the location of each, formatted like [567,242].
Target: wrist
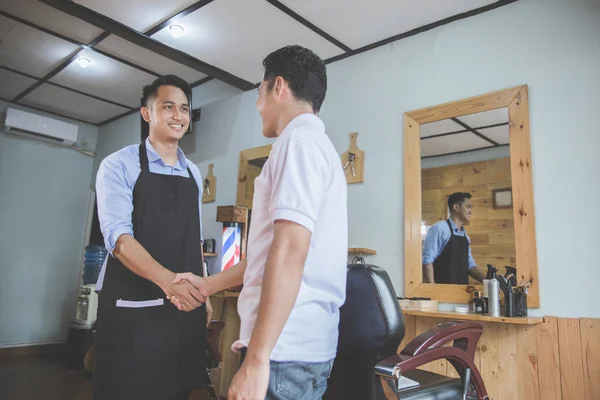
[164,279]
[211,285]
[257,357]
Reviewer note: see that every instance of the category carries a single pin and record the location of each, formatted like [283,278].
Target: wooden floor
[44,377]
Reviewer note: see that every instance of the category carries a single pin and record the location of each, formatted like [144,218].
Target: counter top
[475,317]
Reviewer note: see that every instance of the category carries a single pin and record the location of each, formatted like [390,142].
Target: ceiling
[464,134]
[127,44]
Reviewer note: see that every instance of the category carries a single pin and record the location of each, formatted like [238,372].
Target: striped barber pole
[231,245]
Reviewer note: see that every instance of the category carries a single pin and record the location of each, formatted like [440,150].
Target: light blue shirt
[438,237]
[115,180]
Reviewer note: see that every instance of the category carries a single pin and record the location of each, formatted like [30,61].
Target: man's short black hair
[457,198]
[302,69]
[151,91]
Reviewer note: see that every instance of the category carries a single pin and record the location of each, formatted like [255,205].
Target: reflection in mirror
[467,216]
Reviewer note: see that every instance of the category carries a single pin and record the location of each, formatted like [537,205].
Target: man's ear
[278,85]
[145,111]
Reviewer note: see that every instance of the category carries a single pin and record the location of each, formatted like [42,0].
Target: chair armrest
[212,339]
[464,334]
[391,368]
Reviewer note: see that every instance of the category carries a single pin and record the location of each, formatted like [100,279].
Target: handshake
[188,291]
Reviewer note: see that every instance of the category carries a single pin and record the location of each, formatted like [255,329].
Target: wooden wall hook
[209,192]
[353,161]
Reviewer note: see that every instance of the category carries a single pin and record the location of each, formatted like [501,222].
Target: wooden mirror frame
[516,100]
[245,157]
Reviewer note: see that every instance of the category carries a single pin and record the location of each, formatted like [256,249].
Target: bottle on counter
[477,302]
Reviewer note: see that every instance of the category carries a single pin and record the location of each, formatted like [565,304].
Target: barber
[447,256]
[149,213]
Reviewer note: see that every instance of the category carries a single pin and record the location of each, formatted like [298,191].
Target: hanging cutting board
[209,193]
[359,162]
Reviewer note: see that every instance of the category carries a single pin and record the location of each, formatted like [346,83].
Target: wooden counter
[474,317]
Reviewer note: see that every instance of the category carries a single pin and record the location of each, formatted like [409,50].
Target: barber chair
[367,366]
[213,354]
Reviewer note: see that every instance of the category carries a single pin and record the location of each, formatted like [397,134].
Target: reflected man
[447,256]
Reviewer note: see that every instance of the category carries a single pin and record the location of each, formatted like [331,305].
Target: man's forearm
[137,259]
[476,274]
[281,284]
[428,273]
[231,277]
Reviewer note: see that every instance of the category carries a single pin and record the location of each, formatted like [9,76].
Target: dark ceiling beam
[173,19]
[309,25]
[421,29]
[465,151]
[89,46]
[135,37]
[65,87]
[462,131]
[49,75]
[474,131]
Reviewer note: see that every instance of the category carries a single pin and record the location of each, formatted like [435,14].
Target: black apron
[153,353]
[452,266]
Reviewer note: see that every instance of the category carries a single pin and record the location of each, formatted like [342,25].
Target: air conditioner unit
[34,126]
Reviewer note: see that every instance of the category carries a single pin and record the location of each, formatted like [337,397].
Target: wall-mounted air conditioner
[34,126]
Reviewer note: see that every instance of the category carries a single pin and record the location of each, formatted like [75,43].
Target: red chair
[367,366]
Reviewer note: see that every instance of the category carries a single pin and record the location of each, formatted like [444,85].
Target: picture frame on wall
[502,198]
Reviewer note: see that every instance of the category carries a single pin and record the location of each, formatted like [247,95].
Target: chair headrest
[370,320]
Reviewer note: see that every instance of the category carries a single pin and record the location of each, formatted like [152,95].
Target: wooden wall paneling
[527,362]
[489,359]
[423,324]
[410,331]
[590,350]
[548,359]
[571,361]
[509,371]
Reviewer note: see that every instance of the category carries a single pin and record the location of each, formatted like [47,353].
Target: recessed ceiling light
[83,62]
[176,31]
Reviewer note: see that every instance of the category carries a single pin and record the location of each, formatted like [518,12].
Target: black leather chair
[367,366]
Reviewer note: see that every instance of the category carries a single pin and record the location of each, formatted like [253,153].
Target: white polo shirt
[302,181]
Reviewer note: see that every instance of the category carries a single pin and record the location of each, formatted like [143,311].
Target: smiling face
[464,210]
[168,114]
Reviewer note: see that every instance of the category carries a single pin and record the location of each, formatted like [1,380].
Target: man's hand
[250,382]
[188,296]
[199,285]
[209,312]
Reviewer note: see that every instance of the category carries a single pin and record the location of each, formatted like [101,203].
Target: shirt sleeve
[200,183]
[472,262]
[433,245]
[115,202]
[298,181]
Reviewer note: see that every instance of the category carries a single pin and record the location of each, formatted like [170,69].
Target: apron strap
[450,226]
[144,157]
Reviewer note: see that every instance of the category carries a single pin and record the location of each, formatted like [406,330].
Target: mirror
[466,161]
[251,164]
[479,146]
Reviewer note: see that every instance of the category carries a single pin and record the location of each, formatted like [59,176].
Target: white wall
[550,45]
[44,195]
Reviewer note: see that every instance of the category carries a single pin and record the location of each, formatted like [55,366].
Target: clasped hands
[188,291]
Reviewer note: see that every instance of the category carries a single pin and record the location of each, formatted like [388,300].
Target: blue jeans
[297,380]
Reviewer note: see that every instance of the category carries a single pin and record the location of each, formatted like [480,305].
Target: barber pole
[231,245]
